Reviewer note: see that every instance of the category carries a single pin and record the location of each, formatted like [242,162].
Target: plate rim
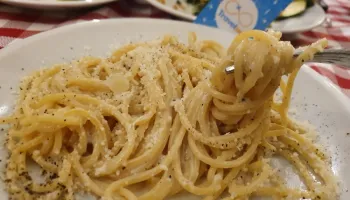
[17,44]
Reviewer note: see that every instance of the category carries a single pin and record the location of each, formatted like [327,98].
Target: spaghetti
[164,116]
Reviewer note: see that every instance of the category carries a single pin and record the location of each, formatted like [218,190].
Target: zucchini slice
[294,8]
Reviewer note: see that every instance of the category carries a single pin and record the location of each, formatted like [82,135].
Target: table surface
[17,23]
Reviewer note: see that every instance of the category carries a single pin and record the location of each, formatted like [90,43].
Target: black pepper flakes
[53,176]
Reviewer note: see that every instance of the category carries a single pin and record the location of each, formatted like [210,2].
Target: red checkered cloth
[338,35]
[17,24]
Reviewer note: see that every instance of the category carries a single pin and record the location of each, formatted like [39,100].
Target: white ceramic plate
[314,98]
[55,4]
[311,18]
[185,11]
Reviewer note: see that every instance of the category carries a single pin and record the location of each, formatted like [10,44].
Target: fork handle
[333,56]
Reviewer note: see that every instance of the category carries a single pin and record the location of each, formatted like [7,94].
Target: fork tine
[333,56]
[230,69]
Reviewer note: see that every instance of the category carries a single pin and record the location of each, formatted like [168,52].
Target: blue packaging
[241,15]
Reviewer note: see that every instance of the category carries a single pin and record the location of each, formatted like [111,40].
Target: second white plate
[55,4]
[311,18]
[181,9]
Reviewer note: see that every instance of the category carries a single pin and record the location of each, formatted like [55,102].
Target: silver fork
[332,56]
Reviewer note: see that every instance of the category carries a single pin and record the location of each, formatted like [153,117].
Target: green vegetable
[199,5]
[296,8]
